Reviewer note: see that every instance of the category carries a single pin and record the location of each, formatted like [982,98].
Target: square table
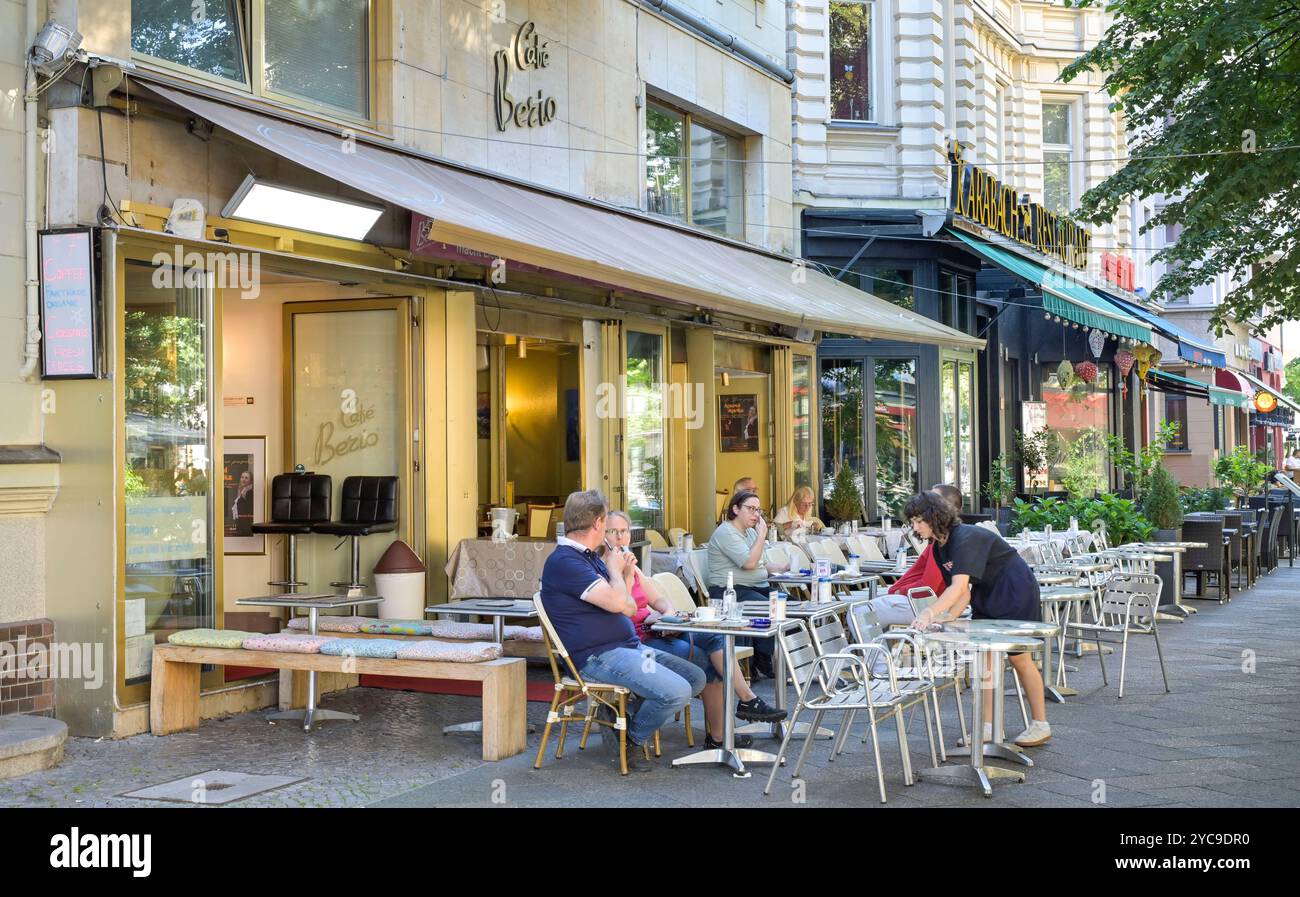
[499,609]
[313,604]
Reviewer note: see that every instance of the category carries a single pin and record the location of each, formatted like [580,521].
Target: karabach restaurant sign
[980,197]
[527,52]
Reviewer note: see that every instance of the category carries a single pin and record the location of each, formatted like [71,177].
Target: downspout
[32,348]
[737,45]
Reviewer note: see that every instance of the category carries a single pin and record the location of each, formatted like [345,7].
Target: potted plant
[1161,506]
[1242,474]
[1000,489]
[845,502]
[1036,451]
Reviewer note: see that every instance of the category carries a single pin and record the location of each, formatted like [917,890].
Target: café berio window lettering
[527,52]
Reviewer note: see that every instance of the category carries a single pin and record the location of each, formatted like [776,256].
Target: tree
[1209,91]
[1291,378]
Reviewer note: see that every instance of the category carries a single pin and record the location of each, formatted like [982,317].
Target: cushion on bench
[398,627]
[449,652]
[210,638]
[524,633]
[329,624]
[293,642]
[457,629]
[361,647]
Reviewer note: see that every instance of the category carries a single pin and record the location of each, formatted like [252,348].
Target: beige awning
[624,249]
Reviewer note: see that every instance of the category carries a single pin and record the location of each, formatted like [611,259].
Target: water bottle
[852,568]
[776,601]
[730,609]
[824,590]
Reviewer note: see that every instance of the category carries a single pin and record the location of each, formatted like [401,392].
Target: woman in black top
[982,570]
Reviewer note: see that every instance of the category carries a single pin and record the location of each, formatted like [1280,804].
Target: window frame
[251,25]
[688,122]
[1070,147]
[873,104]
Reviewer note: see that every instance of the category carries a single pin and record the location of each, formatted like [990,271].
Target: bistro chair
[1205,562]
[1128,607]
[1286,528]
[655,538]
[676,592]
[1276,518]
[299,501]
[828,549]
[675,536]
[539,520]
[697,561]
[369,505]
[867,547]
[571,688]
[1236,560]
[720,497]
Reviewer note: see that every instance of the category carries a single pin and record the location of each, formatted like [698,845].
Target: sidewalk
[1226,736]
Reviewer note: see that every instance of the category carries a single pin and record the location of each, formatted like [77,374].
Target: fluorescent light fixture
[301,210]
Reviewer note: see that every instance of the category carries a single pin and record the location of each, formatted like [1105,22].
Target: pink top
[643,609]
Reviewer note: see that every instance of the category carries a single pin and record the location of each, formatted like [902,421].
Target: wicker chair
[1203,561]
[1286,528]
[1236,560]
[1275,518]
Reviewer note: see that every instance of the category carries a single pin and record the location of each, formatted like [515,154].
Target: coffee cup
[706,614]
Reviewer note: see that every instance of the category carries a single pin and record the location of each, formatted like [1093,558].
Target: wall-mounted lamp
[523,347]
[301,210]
[726,379]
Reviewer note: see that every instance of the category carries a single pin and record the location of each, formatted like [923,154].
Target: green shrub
[1160,502]
[845,502]
[1124,522]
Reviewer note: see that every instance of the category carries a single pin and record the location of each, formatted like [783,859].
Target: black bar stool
[299,501]
[369,506]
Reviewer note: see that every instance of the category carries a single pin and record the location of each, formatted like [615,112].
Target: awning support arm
[853,261]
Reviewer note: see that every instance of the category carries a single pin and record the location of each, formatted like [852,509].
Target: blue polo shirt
[570,572]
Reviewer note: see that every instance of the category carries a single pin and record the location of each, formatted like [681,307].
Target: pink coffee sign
[68,304]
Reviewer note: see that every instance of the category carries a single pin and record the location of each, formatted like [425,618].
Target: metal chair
[1128,607]
[839,683]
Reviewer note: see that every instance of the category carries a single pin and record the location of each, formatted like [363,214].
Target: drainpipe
[737,45]
[32,348]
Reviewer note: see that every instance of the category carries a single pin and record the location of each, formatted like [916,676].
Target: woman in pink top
[705,650]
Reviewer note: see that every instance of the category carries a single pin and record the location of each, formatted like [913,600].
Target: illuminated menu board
[68,312]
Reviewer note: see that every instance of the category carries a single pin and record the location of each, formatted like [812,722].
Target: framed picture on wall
[243,493]
[738,423]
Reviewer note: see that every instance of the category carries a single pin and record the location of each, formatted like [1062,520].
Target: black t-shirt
[1002,585]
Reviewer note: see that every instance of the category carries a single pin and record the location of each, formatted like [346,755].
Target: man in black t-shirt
[982,570]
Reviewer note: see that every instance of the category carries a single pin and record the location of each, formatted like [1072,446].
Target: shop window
[957,413]
[850,54]
[842,397]
[273,48]
[891,284]
[897,476]
[694,173]
[1058,154]
[644,422]
[1079,414]
[1176,412]
[956,302]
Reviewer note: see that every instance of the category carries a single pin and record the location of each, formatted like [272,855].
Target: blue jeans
[693,646]
[664,682]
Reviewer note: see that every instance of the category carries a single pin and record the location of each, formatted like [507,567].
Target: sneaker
[742,741]
[758,711]
[636,758]
[1039,732]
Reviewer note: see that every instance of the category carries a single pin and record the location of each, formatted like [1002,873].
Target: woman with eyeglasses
[705,650]
[736,547]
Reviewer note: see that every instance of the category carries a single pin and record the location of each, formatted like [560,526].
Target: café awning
[620,248]
[1062,296]
[1282,400]
[1175,383]
[1190,348]
[1232,384]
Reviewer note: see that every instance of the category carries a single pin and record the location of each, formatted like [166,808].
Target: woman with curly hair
[982,570]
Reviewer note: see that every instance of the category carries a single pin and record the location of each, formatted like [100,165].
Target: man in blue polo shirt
[591,610]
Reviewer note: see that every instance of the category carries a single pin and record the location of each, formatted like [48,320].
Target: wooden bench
[174,693]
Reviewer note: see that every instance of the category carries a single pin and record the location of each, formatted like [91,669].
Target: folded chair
[571,688]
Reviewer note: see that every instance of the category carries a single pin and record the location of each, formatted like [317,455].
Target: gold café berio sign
[527,52]
[980,197]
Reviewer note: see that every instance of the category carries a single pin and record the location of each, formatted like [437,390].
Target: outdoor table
[988,650]
[808,580]
[1042,629]
[1055,579]
[728,754]
[481,568]
[794,610]
[499,610]
[313,604]
[1177,610]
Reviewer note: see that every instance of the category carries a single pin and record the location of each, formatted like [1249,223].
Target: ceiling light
[301,210]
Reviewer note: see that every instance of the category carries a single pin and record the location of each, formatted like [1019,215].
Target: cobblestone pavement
[1226,736]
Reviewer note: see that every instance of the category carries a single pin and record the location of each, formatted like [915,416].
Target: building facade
[500,251]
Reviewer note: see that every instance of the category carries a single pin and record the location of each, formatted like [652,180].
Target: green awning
[1217,395]
[1063,297]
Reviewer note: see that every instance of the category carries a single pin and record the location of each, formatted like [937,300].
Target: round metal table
[1041,629]
[1059,604]
[988,651]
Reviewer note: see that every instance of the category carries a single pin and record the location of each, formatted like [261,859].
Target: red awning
[1228,380]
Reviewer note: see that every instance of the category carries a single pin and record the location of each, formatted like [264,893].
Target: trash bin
[399,580]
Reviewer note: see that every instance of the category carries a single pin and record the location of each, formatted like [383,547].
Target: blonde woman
[798,514]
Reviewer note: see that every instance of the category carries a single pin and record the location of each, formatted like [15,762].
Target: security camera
[54,47]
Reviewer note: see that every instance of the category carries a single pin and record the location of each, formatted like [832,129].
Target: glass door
[645,435]
[169,475]
[894,437]
[957,395]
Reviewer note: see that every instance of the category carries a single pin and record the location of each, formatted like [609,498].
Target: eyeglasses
[751,507]
[616,533]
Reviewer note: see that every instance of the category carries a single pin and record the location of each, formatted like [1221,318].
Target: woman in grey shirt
[736,547]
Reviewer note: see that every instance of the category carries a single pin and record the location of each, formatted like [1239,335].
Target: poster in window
[243,494]
[738,423]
